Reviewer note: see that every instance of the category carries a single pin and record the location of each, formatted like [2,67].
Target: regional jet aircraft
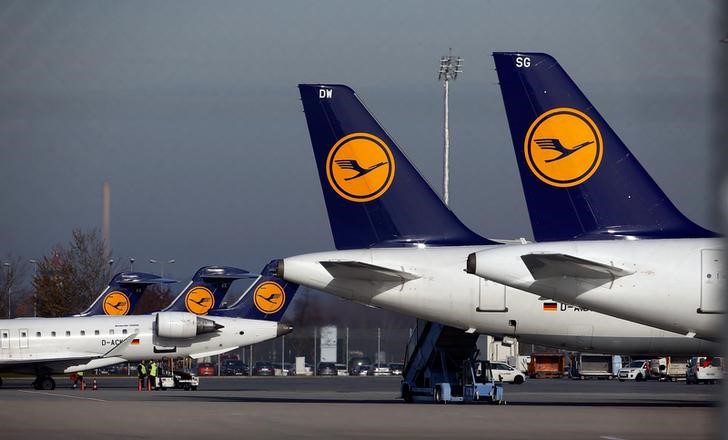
[608,238]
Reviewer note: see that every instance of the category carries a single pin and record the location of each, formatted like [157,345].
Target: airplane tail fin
[267,298]
[374,195]
[206,290]
[122,294]
[579,178]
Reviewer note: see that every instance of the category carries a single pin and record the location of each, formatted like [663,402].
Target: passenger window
[111,332]
[96,332]
[68,333]
[53,334]
[23,335]
[83,332]
[37,334]
[123,332]
[5,335]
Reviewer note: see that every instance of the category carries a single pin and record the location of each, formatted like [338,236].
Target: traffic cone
[139,385]
[83,385]
[149,384]
[94,387]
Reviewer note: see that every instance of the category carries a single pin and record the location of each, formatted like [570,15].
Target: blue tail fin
[123,293]
[579,179]
[207,289]
[374,195]
[267,299]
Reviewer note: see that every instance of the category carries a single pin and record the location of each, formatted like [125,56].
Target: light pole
[131,264]
[450,66]
[7,281]
[35,291]
[161,263]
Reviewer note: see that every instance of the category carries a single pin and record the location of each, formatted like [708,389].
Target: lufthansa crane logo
[199,300]
[563,147]
[269,297]
[116,303]
[360,167]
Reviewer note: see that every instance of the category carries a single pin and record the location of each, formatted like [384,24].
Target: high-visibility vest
[142,369]
[153,369]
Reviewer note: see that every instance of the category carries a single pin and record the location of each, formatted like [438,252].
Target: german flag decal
[550,307]
[135,342]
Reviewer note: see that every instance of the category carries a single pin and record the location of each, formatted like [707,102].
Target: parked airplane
[400,248]
[122,294]
[44,346]
[609,238]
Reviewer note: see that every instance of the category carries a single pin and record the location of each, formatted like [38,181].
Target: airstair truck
[441,367]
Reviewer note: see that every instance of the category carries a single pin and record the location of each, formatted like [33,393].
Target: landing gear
[44,383]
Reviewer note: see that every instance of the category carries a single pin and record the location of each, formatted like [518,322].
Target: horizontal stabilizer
[543,266]
[356,270]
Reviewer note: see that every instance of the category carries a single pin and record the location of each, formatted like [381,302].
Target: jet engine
[183,325]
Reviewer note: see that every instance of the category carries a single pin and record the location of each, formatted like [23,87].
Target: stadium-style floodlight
[450,67]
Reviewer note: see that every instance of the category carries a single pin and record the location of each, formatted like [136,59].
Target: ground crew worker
[142,374]
[153,374]
[79,380]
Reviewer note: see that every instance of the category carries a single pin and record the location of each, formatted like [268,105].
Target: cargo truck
[587,365]
[546,365]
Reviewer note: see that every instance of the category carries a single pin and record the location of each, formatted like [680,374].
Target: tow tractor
[474,384]
[441,366]
[178,380]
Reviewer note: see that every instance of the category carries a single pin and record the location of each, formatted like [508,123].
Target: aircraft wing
[357,270]
[543,266]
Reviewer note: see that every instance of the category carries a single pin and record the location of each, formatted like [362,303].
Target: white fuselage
[676,284]
[54,345]
[445,293]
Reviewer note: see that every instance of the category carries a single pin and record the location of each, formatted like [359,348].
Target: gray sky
[190,110]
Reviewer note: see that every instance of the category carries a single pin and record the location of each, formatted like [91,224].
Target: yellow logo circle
[116,303]
[360,167]
[199,300]
[563,147]
[269,297]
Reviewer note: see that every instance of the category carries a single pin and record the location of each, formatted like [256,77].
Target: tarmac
[357,407]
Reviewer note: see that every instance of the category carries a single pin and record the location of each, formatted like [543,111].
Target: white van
[705,369]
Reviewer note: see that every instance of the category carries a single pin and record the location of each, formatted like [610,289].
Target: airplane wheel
[46,383]
[437,395]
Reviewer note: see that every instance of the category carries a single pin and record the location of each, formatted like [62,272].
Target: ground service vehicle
[179,380]
[584,365]
[546,365]
[704,369]
[474,382]
[636,370]
[505,373]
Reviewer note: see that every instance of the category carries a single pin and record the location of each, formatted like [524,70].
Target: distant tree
[155,298]
[12,273]
[71,276]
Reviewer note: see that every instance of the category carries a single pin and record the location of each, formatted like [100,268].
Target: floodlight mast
[450,67]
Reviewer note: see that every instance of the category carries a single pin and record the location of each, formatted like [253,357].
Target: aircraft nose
[283,329]
[471,264]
